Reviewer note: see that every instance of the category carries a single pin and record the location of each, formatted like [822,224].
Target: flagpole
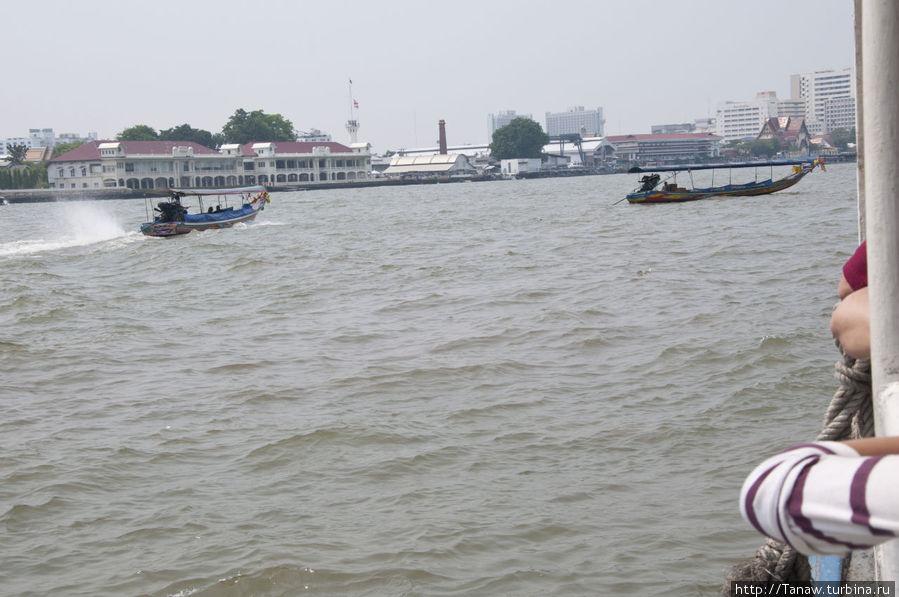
[350,98]
[352,125]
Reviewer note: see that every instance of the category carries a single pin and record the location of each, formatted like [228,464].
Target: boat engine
[649,182]
[171,211]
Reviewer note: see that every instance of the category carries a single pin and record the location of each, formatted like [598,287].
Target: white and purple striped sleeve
[823,498]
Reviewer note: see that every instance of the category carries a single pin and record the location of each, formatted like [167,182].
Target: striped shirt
[824,498]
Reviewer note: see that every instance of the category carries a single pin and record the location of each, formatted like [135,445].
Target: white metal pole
[880,121]
[859,130]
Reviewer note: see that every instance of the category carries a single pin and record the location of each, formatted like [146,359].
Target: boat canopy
[718,166]
[230,191]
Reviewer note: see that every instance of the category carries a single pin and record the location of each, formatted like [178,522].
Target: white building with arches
[176,164]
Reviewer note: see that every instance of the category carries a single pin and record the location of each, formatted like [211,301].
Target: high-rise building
[819,88]
[577,120]
[744,120]
[501,119]
[839,113]
[42,137]
[793,108]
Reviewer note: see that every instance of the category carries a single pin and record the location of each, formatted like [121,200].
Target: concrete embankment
[45,195]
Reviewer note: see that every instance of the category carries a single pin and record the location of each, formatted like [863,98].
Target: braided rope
[849,415]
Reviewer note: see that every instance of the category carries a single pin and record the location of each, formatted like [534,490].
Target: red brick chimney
[442,125]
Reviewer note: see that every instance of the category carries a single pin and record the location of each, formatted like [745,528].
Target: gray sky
[104,66]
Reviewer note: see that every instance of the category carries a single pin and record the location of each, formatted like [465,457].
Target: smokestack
[442,125]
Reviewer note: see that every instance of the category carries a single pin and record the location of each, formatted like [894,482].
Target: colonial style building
[172,164]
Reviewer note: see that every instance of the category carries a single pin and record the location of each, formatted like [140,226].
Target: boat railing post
[880,122]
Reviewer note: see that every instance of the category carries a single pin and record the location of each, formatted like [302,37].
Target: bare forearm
[875,446]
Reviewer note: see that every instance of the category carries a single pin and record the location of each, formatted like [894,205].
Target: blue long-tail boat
[173,217]
[653,189]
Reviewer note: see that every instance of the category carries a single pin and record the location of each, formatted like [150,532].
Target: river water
[497,388]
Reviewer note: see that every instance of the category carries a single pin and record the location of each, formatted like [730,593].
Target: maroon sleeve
[856,269]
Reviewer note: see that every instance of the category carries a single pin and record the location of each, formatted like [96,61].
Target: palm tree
[16,153]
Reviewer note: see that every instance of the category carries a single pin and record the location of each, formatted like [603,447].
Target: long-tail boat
[173,217]
[653,189]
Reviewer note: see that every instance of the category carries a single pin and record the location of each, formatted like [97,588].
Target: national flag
[355,104]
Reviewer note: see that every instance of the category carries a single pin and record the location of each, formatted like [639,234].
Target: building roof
[787,128]
[297,147]
[588,145]
[467,150]
[38,154]
[433,164]
[91,151]
[670,137]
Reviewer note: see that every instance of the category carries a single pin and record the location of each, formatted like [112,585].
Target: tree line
[242,127]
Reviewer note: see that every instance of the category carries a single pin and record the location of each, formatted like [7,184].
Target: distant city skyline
[646,63]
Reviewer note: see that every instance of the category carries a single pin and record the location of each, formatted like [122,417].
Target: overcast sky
[104,66]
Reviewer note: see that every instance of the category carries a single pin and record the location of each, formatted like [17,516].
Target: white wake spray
[70,225]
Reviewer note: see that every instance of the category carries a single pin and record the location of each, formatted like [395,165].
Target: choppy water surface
[509,388]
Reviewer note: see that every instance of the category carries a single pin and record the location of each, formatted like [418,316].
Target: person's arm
[874,446]
[826,497]
[850,324]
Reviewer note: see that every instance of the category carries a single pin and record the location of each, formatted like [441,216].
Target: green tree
[16,153]
[185,132]
[138,132]
[842,137]
[521,138]
[62,148]
[244,127]
[764,147]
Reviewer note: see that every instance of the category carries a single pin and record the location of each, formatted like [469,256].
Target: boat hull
[666,197]
[176,228]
